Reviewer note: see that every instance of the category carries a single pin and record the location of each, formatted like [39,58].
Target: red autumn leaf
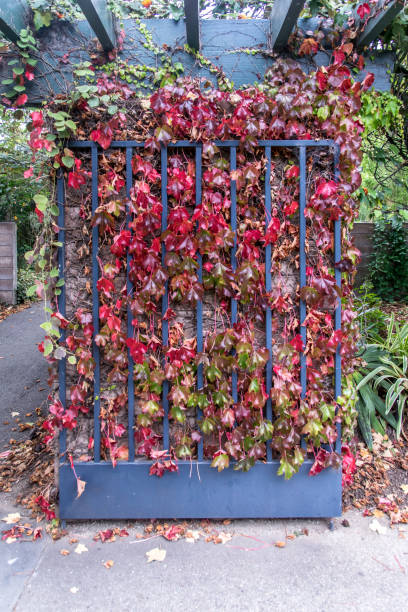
[103,135]
[326,189]
[292,172]
[29,172]
[291,208]
[137,350]
[29,74]
[173,533]
[37,119]
[321,78]
[368,81]
[21,100]
[348,465]
[105,286]
[297,342]
[320,462]
[363,10]
[338,57]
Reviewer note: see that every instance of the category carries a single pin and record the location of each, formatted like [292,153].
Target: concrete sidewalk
[347,569]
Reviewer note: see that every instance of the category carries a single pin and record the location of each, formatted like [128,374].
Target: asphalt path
[23,370]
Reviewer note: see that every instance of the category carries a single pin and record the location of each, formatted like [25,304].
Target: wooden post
[100,19]
[13,18]
[8,262]
[376,25]
[192,12]
[283,18]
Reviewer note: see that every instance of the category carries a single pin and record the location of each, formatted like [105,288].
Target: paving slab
[352,569]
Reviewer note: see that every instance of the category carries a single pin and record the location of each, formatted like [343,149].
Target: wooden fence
[8,262]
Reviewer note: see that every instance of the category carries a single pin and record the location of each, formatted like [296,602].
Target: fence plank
[8,262]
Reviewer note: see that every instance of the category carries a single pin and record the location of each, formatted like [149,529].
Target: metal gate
[196,490]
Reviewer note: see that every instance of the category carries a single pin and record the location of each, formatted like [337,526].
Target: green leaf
[41,201]
[68,161]
[72,359]
[48,347]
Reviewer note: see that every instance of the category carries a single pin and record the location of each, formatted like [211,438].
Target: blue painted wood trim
[84,144]
[130,329]
[199,308]
[302,264]
[337,314]
[95,308]
[165,300]
[197,491]
[268,288]
[62,300]
[234,304]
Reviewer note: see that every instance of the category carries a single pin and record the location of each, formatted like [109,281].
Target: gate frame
[196,490]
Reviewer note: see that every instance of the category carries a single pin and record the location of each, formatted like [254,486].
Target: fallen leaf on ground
[156,554]
[73,540]
[192,536]
[377,527]
[64,552]
[280,544]
[10,540]
[404,487]
[80,549]
[74,589]
[223,538]
[108,564]
[80,487]
[11,518]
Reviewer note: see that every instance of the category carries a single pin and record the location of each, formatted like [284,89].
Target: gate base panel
[197,491]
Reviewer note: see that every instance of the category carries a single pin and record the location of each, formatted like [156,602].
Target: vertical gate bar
[234,305]
[95,308]
[268,288]
[129,289]
[337,313]
[61,301]
[199,312]
[302,262]
[165,325]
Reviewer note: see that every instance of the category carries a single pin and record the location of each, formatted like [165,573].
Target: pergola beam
[376,25]
[100,19]
[192,13]
[13,19]
[284,16]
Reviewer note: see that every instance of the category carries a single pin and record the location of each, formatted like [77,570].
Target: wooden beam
[192,13]
[100,19]
[376,25]
[13,18]
[283,18]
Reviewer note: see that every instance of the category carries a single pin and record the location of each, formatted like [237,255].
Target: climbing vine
[232,422]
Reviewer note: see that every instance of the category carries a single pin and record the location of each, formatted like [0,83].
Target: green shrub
[370,316]
[382,382]
[389,260]
[25,278]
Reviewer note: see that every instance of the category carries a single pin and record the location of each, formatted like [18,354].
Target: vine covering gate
[196,490]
